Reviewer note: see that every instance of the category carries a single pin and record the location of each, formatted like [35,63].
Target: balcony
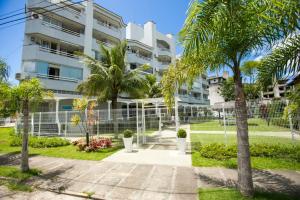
[66,12]
[54,31]
[138,58]
[36,52]
[106,29]
[105,43]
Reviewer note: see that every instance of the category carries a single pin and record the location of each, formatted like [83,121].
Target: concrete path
[111,180]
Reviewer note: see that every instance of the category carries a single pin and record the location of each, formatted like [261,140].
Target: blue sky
[169,16]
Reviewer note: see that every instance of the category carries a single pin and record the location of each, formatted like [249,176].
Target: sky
[169,16]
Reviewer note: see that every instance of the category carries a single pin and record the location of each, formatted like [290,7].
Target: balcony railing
[68,8]
[164,49]
[57,78]
[108,26]
[108,44]
[60,28]
[141,56]
[54,51]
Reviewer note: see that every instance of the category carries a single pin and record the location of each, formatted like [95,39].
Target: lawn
[233,194]
[15,179]
[254,125]
[69,151]
[257,162]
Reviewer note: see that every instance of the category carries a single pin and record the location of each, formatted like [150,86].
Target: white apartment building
[149,46]
[57,29]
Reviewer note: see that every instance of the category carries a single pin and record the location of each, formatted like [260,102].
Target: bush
[128,133]
[40,142]
[96,144]
[222,152]
[181,133]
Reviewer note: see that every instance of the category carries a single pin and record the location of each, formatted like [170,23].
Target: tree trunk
[87,138]
[245,182]
[114,103]
[24,158]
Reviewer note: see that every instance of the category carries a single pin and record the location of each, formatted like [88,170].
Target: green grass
[257,162]
[69,151]
[18,178]
[254,125]
[233,194]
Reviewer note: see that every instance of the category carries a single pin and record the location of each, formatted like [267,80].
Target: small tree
[4,71]
[22,99]
[86,117]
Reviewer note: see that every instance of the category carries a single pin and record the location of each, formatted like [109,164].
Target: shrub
[96,144]
[40,142]
[222,152]
[128,133]
[181,133]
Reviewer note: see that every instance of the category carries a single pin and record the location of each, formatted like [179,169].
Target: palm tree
[109,78]
[282,63]
[219,34]
[4,71]
[153,89]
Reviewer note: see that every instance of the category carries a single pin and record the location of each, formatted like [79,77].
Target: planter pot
[128,144]
[181,144]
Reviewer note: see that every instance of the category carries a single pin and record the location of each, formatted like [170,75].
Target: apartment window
[53,72]
[45,44]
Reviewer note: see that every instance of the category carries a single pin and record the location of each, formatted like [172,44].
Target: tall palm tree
[109,78]
[222,33]
[4,71]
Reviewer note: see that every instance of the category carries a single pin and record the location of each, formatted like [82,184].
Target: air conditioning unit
[35,15]
[19,76]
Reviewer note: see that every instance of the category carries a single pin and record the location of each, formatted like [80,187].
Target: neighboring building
[214,88]
[279,90]
[55,31]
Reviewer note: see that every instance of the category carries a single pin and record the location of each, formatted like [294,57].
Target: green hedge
[40,142]
[220,151]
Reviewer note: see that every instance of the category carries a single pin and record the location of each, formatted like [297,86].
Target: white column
[191,111]
[197,111]
[290,121]
[137,125]
[224,124]
[128,111]
[66,122]
[160,123]
[32,123]
[156,108]
[143,122]
[57,115]
[88,33]
[40,118]
[109,110]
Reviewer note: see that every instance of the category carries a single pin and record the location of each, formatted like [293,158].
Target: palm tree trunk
[245,182]
[114,103]
[24,158]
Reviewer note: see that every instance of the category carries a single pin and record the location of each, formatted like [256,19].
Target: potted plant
[127,139]
[181,138]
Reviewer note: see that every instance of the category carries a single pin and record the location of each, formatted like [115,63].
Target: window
[45,44]
[53,72]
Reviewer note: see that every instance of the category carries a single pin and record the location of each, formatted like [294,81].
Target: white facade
[52,39]
[214,90]
[148,46]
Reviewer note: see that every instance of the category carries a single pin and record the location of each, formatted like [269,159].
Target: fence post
[290,121]
[127,111]
[160,121]
[143,122]
[66,122]
[108,105]
[137,125]
[40,117]
[224,124]
[98,124]
[176,113]
[32,123]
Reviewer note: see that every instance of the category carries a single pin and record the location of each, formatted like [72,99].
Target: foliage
[293,108]
[109,76]
[86,117]
[181,133]
[249,70]
[282,63]
[4,71]
[128,133]
[39,142]
[233,194]
[220,151]
[95,145]
[153,89]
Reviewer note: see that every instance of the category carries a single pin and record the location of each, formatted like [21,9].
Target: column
[57,115]
[128,111]
[109,110]
[143,122]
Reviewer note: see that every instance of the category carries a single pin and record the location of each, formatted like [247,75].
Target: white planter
[181,144]
[128,144]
